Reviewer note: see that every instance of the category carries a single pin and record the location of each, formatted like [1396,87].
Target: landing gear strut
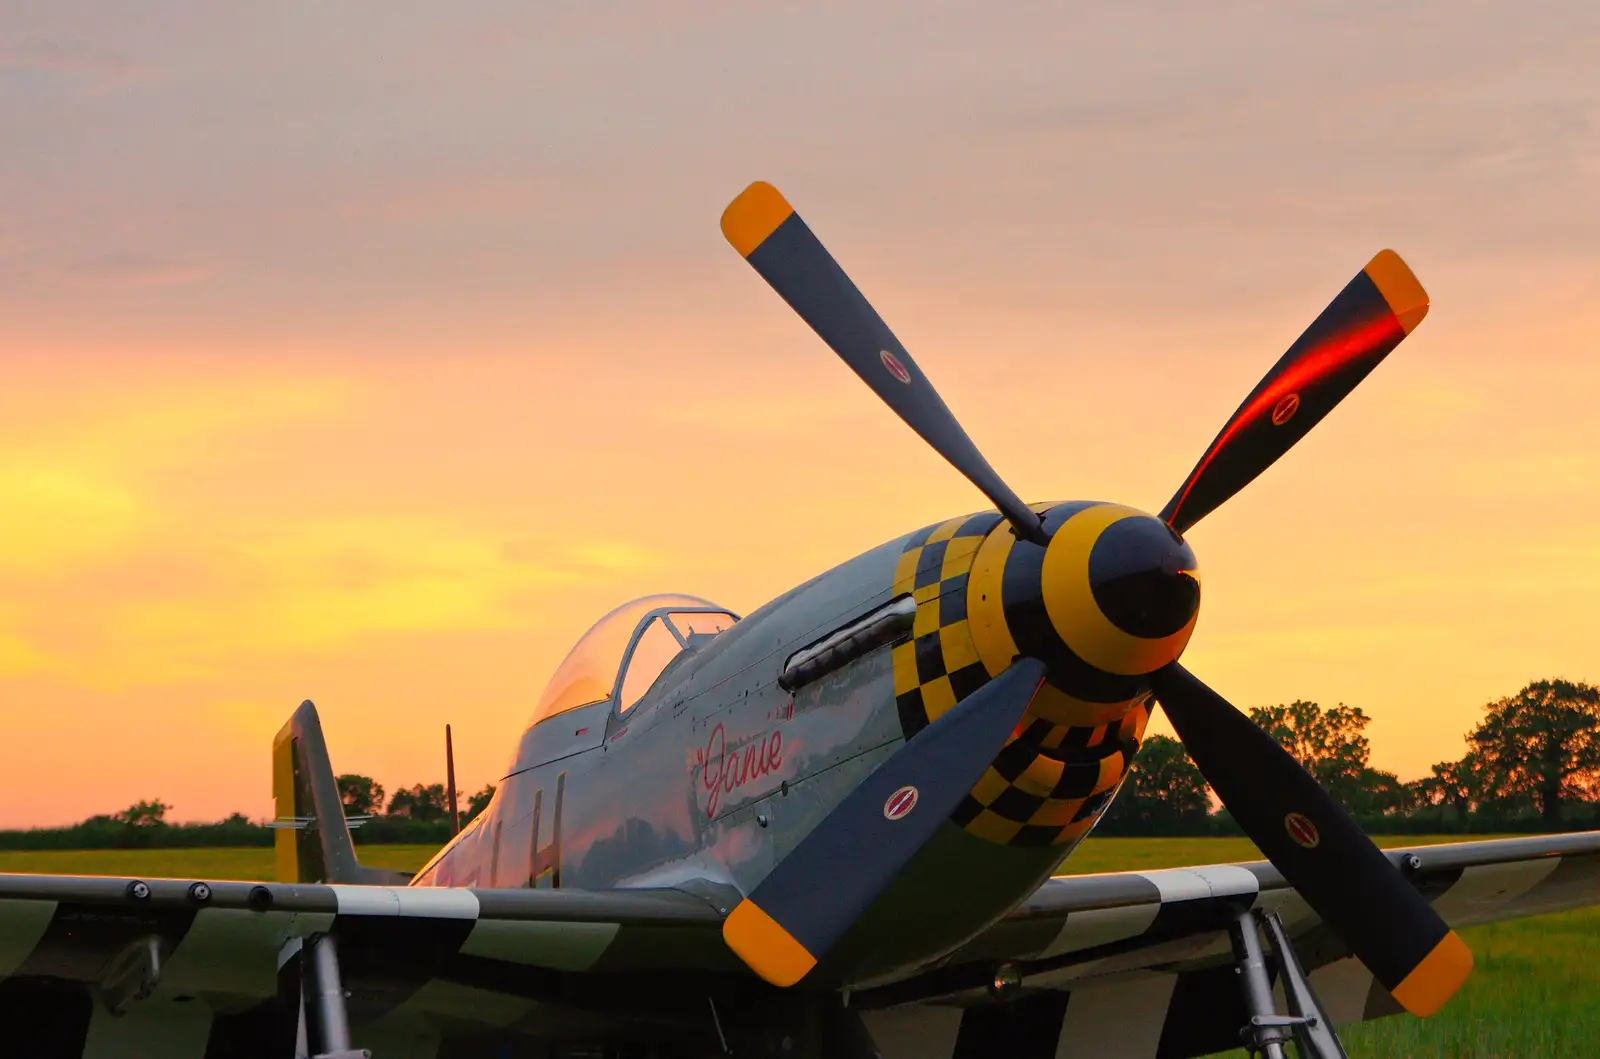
[316,1000]
[1306,1023]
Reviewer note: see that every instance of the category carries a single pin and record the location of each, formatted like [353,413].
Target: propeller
[1372,315]
[769,234]
[1319,849]
[781,930]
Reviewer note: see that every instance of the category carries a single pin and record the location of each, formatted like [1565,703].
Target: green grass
[1535,993]
[1535,990]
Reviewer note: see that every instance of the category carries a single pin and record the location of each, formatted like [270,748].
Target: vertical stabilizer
[313,838]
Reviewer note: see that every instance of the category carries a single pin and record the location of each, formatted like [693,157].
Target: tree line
[418,814]
[426,803]
[1532,764]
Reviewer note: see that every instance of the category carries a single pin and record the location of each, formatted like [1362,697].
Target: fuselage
[719,769]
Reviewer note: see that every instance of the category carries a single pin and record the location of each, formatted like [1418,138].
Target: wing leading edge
[125,964]
[1138,963]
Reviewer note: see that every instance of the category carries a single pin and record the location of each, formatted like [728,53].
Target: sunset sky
[369,352]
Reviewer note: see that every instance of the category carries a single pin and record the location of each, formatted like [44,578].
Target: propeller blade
[767,232]
[782,929]
[1374,312]
[1320,851]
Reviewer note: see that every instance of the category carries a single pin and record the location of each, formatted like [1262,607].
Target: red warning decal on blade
[1285,409]
[897,369]
[900,803]
[1302,830]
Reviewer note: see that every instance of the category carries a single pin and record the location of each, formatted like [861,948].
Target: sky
[367,353]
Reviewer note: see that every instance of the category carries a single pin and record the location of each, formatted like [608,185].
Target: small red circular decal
[900,803]
[897,369]
[1302,830]
[1285,409]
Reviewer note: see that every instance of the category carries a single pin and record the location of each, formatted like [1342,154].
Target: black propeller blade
[1321,852]
[1371,316]
[784,927]
[781,930]
[767,232]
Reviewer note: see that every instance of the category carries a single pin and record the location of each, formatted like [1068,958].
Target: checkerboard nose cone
[1144,578]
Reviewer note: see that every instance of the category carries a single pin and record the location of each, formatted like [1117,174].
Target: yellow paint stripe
[1057,812]
[938,696]
[286,854]
[1110,773]
[994,827]
[958,555]
[1077,618]
[955,644]
[1041,777]
[947,529]
[986,612]
[906,678]
[1132,726]
[905,571]
[1056,706]
[990,786]
[753,216]
[1399,287]
[1075,830]
[1437,977]
[768,949]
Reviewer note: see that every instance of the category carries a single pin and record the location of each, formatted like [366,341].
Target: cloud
[66,55]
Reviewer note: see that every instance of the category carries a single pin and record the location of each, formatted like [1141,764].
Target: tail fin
[313,838]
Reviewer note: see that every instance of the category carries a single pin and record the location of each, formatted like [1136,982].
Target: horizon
[370,356]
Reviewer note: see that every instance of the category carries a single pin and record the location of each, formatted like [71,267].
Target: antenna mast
[450,782]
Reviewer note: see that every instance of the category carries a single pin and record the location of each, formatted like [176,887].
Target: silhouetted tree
[1333,747]
[144,813]
[1165,793]
[478,802]
[419,802]
[362,795]
[1381,793]
[1541,745]
[1459,786]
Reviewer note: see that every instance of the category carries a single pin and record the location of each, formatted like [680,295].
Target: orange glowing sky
[368,354]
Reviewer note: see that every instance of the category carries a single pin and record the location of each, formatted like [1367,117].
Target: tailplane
[313,837]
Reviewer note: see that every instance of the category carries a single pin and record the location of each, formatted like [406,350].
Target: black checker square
[968,811]
[968,679]
[1016,805]
[930,564]
[1078,779]
[930,657]
[953,600]
[913,714]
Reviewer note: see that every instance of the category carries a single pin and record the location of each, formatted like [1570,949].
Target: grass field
[1535,993]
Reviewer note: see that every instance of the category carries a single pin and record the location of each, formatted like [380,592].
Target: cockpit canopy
[624,652]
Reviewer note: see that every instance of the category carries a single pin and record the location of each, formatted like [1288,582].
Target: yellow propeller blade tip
[753,216]
[768,949]
[1436,979]
[1399,287]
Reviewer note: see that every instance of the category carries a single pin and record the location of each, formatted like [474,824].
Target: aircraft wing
[110,966]
[1138,964]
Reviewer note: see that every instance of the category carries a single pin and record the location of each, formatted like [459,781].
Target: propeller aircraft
[830,826]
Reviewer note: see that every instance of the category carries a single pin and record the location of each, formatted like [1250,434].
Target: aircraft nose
[1143,577]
